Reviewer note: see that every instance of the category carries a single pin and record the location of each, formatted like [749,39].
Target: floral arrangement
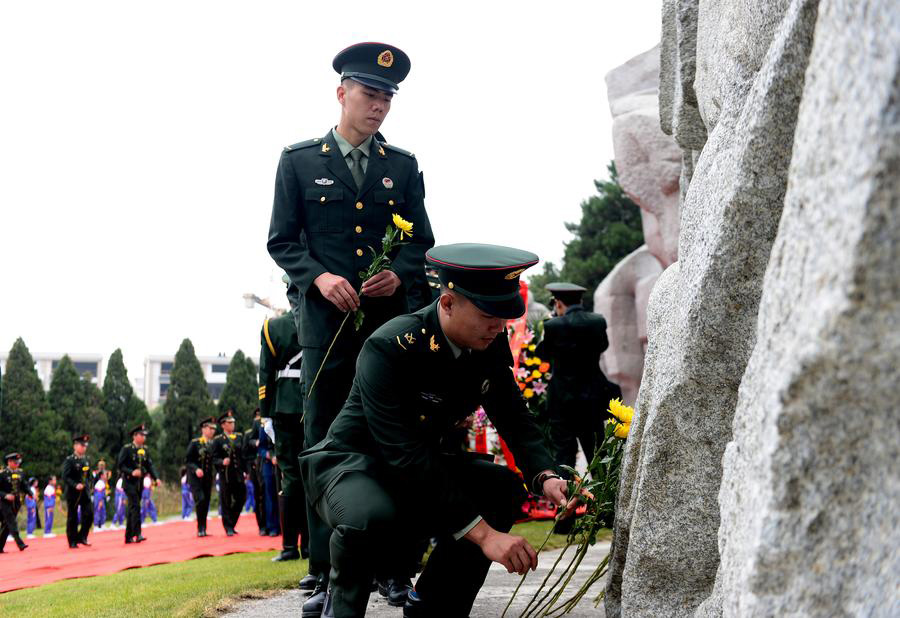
[598,494]
[392,239]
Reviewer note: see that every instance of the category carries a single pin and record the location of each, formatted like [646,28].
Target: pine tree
[93,420]
[240,393]
[67,396]
[187,401]
[27,423]
[118,403]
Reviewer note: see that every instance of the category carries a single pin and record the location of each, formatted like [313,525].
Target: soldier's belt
[287,373]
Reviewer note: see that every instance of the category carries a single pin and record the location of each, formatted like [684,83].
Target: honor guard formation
[354,454]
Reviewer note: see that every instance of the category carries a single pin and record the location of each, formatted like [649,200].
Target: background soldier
[227,448]
[200,472]
[333,197]
[78,484]
[251,462]
[134,464]
[281,399]
[578,392]
[12,492]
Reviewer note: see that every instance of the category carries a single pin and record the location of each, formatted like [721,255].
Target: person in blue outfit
[250,502]
[119,517]
[269,484]
[31,508]
[49,506]
[187,500]
[100,498]
[148,508]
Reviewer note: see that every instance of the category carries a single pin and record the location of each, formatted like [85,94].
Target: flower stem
[336,335]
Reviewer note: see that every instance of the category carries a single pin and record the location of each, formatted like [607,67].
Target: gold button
[422,418]
[322,199]
[423,331]
[450,285]
[390,202]
[359,252]
[358,205]
[358,229]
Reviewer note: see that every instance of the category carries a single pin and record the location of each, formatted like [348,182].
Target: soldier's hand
[136,472]
[275,460]
[555,490]
[513,552]
[337,290]
[226,462]
[384,283]
[199,473]
[79,486]
[9,498]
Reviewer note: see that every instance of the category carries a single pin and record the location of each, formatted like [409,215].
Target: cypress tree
[67,396]
[187,401]
[27,422]
[240,393]
[120,405]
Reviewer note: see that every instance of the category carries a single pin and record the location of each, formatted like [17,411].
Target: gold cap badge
[385,58]
[514,274]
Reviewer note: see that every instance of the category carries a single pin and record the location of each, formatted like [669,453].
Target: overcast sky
[138,146]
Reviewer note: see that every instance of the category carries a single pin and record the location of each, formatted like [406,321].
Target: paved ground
[489,604]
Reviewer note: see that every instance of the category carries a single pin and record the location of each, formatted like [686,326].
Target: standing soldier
[251,460]
[77,481]
[227,449]
[12,490]
[200,473]
[281,399]
[134,464]
[573,342]
[334,196]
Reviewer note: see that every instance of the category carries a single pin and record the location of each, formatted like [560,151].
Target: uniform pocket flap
[324,194]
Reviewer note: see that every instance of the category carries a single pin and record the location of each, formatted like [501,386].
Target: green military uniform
[133,457]
[12,483]
[381,474]
[578,392]
[281,399]
[323,221]
[232,490]
[200,457]
[77,471]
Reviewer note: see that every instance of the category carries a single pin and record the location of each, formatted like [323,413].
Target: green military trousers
[369,519]
[288,445]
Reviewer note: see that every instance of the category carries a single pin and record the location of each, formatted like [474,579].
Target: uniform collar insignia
[432,345]
[325,182]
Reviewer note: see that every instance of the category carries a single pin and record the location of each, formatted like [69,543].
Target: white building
[92,364]
[157,376]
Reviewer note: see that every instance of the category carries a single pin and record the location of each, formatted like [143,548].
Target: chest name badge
[387,182]
[325,182]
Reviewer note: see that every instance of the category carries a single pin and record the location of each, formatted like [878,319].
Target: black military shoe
[75,545]
[84,542]
[308,582]
[415,607]
[140,539]
[288,553]
[395,590]
[128,541]
[312,608]
[229,532]
[21,544]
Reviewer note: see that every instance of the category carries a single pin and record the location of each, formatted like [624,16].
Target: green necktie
[357,171]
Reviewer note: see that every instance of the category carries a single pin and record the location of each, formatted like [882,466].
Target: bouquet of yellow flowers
[599,495]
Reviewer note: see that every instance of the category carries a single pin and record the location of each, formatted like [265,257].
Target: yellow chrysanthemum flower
[535,374]
[528,392]
[621,411]
[532,348]
[403,225]
[622,430]
[535,361]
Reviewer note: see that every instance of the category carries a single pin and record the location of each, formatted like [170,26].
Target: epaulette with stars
[415,337]
[393,148]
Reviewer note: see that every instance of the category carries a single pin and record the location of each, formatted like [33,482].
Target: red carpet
[49,560]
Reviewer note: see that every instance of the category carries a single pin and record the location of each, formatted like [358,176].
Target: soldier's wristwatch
[542,477]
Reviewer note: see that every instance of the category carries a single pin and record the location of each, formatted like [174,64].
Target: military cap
[228,416]
[210,421]
[81,438]
[13,455]
[142,428]
[488,275]
[377,65]
[568,293]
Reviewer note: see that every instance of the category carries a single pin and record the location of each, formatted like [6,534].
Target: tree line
[40,424]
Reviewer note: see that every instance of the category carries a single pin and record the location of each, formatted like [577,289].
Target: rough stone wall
[761,476]
[702,313]
[810,494]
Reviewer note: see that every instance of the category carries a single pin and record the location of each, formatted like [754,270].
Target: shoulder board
[408,334]
[300,145]
[400,150]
